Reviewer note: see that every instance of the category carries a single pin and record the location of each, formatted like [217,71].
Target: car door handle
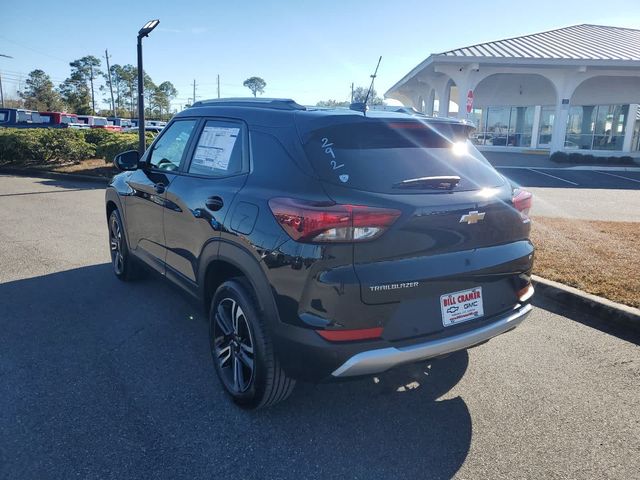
[214,203]
[159,188]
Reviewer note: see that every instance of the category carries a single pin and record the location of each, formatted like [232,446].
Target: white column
[443,108]
[429,102]
[463,89]
[535,130]
[559,126]
[628,128]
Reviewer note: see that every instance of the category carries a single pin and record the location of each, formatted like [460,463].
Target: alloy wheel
[115,242]
[233,345]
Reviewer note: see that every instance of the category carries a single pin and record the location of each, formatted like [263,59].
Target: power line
[32,49]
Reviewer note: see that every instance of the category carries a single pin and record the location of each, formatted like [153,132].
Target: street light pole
[144,32]
[141,140]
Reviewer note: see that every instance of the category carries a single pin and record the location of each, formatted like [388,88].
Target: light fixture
[148,28]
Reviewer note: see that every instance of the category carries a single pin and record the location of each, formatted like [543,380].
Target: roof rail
[274,103]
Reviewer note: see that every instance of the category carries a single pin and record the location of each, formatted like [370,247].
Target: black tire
[121,261]
[242,349]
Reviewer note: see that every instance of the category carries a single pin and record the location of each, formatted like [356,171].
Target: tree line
[359,94]
[80,92]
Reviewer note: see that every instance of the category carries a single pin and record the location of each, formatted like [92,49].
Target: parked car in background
[61,120]
[482,138]
[20,118]
[155,123]
[120,122]
[149,123]
[98,122]
[384,238]
[148,128]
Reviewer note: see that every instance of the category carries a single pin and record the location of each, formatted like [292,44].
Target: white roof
[578,42]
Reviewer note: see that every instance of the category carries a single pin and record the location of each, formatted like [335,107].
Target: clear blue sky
[308,51]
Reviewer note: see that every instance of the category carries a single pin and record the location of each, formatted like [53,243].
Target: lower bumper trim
[380,360]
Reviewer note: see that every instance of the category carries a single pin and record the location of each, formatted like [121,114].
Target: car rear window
[377,155]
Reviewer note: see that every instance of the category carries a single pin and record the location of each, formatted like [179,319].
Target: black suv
[324,243]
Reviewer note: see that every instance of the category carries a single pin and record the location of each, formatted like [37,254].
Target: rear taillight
[321,222]
[522,201]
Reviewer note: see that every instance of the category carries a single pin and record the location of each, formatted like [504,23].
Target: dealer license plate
[462,306]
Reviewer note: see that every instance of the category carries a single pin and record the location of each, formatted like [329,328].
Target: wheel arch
[112,202]
[227,261]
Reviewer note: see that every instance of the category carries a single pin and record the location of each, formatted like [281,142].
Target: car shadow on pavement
[624,332]
[108,379]
[72,184]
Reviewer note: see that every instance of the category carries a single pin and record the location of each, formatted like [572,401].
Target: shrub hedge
[44,145]
[581,158]
[47,145]
[116,143]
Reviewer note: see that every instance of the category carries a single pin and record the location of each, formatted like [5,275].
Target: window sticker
[215,147]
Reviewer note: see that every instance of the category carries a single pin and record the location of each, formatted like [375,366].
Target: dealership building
[573,89]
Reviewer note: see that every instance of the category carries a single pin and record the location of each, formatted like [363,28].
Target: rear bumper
[379,360]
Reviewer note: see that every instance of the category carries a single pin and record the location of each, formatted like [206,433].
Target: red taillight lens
[320,222]
[350,335]
[522,201]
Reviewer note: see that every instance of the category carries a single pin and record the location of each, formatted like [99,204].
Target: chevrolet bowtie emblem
[472,217]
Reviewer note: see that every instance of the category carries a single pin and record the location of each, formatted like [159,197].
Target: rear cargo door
[458,233]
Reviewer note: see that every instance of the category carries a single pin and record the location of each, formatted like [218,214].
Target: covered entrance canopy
[575,88]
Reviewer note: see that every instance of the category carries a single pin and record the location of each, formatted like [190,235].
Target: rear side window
[219,150]
[378,155]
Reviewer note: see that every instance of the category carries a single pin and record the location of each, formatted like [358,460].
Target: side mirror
[127,160]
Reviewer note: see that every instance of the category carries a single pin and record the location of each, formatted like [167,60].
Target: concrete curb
[591,304]
[28,172]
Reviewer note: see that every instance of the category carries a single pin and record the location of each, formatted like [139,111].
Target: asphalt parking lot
[585,194]
[101,379]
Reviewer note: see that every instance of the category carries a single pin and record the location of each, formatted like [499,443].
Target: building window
[596,127]
[545,132]
[504,126]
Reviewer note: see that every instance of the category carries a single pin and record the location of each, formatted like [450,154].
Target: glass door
[545,130]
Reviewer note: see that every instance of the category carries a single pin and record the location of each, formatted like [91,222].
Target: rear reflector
[306,221]
[350,335]
[522,201]
[525,293]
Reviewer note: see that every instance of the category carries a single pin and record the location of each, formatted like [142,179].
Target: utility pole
[131,95]
[113,103]
[351,92]
[1,92]
[194,91]
[93,99]
[218,85]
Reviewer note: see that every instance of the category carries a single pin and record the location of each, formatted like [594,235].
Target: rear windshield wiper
[447,182]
